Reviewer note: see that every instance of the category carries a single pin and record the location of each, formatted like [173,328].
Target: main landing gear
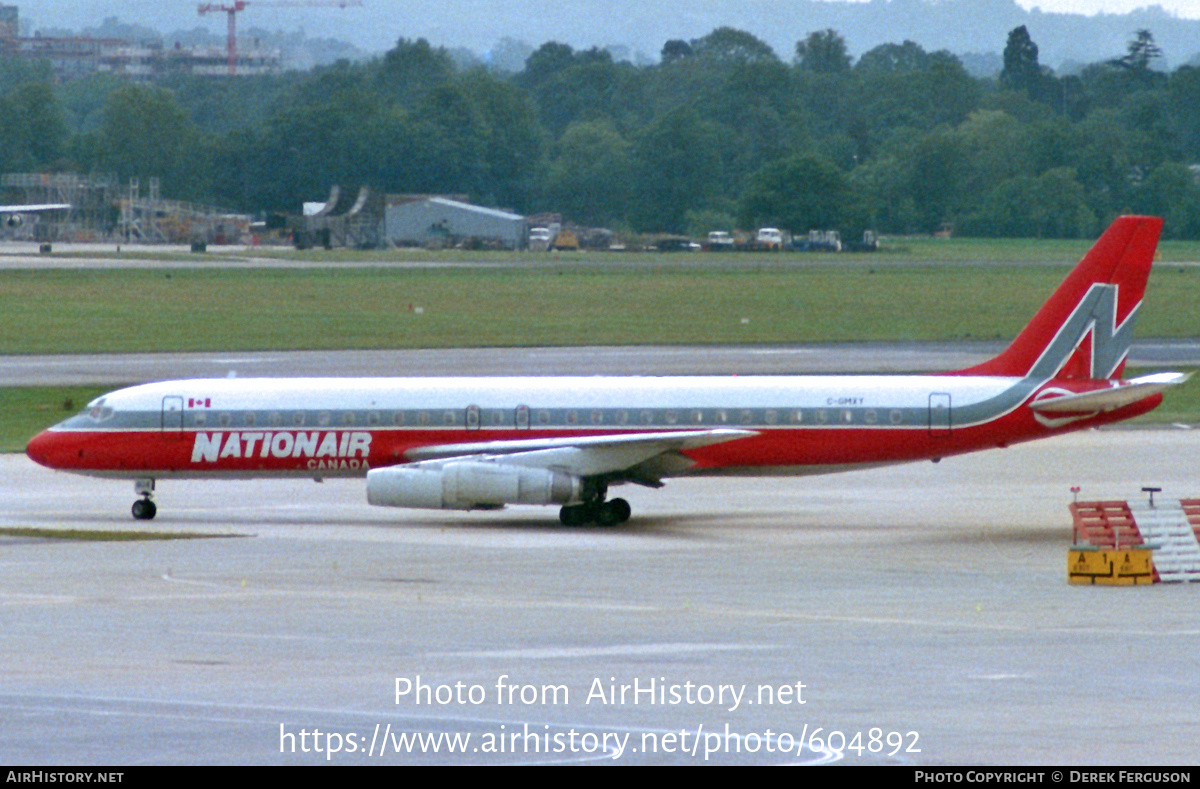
[598,511]
[144,509]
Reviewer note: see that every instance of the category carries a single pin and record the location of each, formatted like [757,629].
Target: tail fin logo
[1094,316]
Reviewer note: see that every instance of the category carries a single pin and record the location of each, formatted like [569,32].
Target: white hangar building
[420,221]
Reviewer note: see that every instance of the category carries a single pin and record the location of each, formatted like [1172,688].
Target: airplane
[487,442]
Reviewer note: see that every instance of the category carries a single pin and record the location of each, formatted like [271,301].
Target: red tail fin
[1084,330]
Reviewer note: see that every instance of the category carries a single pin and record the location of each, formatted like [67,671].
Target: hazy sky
[375,25]
[1184,8]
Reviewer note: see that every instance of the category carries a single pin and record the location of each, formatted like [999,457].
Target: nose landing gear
[144,509]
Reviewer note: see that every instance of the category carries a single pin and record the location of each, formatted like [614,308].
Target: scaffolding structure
[93,200]
[154,220]
[101,209]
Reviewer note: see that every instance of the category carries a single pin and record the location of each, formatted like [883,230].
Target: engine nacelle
[467,485]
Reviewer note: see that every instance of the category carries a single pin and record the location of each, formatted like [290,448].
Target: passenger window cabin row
[523,417]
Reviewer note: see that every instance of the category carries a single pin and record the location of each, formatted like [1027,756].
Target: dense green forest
[722,133]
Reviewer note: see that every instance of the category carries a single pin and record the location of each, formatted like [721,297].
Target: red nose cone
[43,448]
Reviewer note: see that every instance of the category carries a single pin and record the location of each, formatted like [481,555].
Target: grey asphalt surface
[15,255]
[926,600]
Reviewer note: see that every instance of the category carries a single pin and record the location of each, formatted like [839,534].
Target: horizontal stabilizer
[31,208]
[1123,393]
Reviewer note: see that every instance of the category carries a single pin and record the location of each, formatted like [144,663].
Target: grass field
[1180,405]
[92,311]
[26,410]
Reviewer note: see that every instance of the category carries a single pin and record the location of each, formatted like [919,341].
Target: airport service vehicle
[472,443]
[720,241]
[770,238]
[540,239]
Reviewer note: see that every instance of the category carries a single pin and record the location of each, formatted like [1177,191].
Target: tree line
[721,133]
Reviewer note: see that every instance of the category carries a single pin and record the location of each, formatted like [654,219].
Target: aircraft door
[172,418]
[472,417]
[522,417]
[939,414]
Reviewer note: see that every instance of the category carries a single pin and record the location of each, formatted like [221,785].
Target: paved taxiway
[924,598]
[897,357]
[20,255]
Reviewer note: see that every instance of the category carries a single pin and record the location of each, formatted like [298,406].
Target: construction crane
[237,6]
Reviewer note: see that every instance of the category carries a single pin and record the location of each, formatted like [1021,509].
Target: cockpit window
[98,411]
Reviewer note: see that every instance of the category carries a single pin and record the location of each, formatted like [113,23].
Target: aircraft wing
[583,456]
[1122,394]
[33,208]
